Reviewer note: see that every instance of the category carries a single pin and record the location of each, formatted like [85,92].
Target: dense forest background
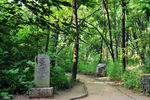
[77,35]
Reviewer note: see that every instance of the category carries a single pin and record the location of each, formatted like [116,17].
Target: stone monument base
[44,92]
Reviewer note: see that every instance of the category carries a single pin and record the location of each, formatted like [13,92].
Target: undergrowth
[114,70]
[131,79]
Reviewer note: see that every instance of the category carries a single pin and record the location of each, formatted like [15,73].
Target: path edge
[85,92]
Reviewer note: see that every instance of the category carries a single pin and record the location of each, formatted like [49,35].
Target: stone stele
[41,78]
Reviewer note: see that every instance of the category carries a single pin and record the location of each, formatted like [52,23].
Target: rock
[41,78]
[145,83]
[101,70]
[41,92]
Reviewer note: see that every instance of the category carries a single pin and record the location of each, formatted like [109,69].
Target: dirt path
[98,89]
[103,89]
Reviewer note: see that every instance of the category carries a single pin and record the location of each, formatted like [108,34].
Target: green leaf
[26,70]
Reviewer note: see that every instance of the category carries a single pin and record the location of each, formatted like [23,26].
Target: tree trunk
[101,48]
[123,36]
[47,42]
[127,40]
[47,38]
[127,37]
[115,33]
[110,33]
[55,42]
[76,42]
[101,52]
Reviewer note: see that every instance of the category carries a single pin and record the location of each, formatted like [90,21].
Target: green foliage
[64,59]
[145,68]
[131,79]
[87,68]
[15,81]
[114,70]
[87,60]
[58,78]
[5,95]
[133,60]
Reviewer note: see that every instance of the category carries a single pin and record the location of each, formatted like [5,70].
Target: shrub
[14,81]
[58,78]
[5,95]
[145,68]
[133,60]
[114,71]
[87,68]
[131,79]
[87,65]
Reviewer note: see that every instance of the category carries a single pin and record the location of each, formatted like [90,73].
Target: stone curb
[82,96]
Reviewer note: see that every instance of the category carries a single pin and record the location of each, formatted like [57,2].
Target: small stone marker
[100,69]
[145,82]
[41,78]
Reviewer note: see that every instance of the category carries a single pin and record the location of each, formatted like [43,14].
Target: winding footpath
[104,89]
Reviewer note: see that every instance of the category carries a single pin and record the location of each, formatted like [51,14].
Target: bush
[5,95]
[114,71]
[87,68]
[131,79]
[145,68]
[133,60]
[15,79]
[58,78]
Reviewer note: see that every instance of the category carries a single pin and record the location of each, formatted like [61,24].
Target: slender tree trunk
[123,36]
[56,34]
[106,51]
[76,42]
[101,52]
[55,42]
[47,37]
[127,38]
[101,49]
[115,33]
[47,42]
[110,33]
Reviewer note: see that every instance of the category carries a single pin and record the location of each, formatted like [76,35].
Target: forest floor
[98,89]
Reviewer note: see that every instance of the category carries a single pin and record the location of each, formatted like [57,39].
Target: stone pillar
[41,78]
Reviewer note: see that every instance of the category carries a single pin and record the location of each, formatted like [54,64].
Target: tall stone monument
[41,78]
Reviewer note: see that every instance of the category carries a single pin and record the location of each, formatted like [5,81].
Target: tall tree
[47,42]
[76,40]
[110,32]
[55,43]
[101,47]
[115,33]
[123,35]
